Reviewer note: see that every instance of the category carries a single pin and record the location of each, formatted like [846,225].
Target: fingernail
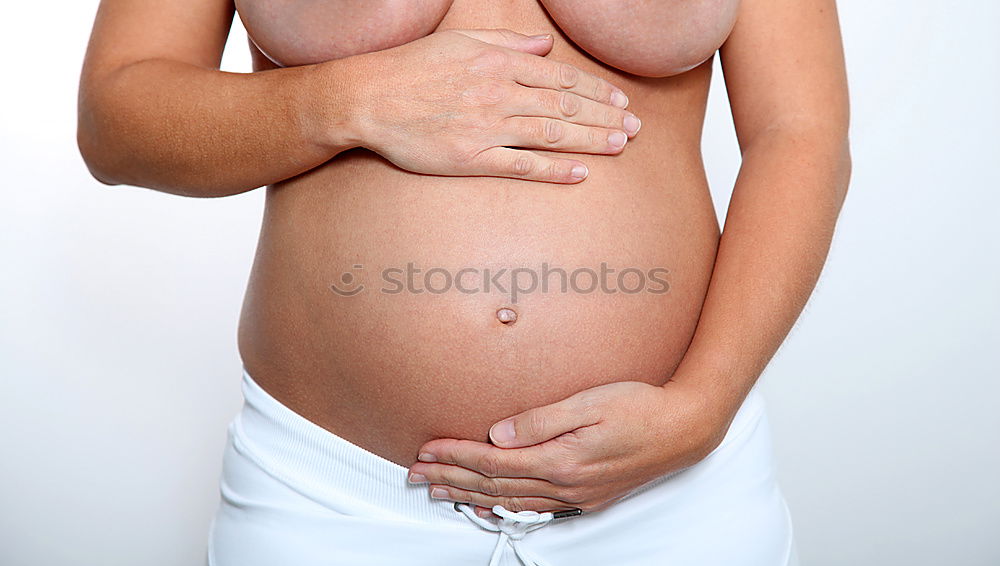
[619,99]
[617,139]
[425,457]
[578,172]
[631,124]
[439,493]
[418,478]
[503,431]
[544,36]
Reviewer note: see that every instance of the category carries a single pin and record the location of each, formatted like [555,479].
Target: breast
[652,38]
[648,38]
[304,32]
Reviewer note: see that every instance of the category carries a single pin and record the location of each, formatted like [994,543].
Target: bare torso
[390,371]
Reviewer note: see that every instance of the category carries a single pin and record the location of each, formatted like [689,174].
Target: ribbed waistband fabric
[327,468]
[349,479]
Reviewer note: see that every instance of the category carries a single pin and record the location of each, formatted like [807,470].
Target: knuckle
[510,36]
[568,75]
[569,104]
[565,473]
[573,495]
[596,138]
[590,403]
[486,93]
[553,131]
[513,505]
[535,424]
[468,158]
[496,92]
[461,149]
[488,466]
[555,170]
[570,441]
[522,165]
[490,59]
[548,101]
[532,129]
[490,486]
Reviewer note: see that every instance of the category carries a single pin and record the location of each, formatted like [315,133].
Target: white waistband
[327,468]
[344,476]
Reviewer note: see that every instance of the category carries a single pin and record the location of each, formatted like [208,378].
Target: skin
[785,74]
[155,112]
[677,35]
[304,32]
[439,373]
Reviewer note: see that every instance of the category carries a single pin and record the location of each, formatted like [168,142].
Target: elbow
[92,158]
[99,131]
[91,145]
[832,153]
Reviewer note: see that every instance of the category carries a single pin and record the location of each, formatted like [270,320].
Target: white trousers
[294,494]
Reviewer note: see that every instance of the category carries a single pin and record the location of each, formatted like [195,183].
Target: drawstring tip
[566,513]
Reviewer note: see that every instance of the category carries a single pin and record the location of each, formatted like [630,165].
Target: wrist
[710,412]
[334,104]
[722,379]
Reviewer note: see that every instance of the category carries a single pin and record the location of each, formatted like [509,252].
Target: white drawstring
[512,528]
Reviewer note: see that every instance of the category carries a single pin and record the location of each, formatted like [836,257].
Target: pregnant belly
[393,308]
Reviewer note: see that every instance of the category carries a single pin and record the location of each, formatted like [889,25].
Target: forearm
[188,130]
[778,229]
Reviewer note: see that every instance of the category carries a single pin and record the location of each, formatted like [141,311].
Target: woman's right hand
[458,102]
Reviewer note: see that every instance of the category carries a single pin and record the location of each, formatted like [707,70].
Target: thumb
[534,44]
[540,424]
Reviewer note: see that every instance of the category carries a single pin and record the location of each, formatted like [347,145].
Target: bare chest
[654,38]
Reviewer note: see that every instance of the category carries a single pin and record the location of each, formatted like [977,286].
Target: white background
[118,309]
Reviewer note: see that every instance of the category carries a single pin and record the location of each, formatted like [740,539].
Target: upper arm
[784,68]
[128,31]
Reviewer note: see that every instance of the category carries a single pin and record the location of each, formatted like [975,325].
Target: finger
[539,72]
[512,504]
[523,164]
[545,423]
[574,108]
[533,44]
[553,134]
[490,460]
[469,480]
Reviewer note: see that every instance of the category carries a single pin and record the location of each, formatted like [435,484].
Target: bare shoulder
[784,66]
[127,31]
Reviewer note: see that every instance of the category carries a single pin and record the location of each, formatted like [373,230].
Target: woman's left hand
[586,451]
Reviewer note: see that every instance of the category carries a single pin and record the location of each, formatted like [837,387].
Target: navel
[507,316]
